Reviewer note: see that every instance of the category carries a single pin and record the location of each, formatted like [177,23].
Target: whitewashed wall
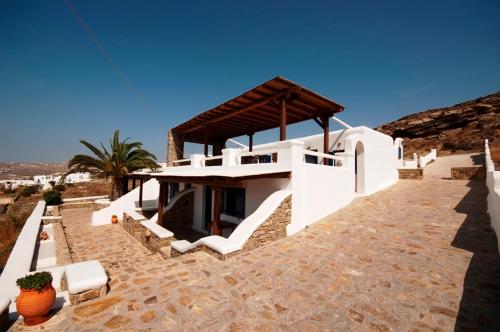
[493,184]
[258,190]
[128,202]
[424,160]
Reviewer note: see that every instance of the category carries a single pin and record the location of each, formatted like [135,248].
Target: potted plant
[37,297]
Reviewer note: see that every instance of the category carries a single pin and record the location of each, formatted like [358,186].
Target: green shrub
[35,281]
[52,197]
[29,190]
[60,187]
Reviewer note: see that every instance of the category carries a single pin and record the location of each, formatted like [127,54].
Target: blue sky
[382,60]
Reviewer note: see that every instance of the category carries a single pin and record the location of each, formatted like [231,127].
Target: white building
[70,178]
[250,195]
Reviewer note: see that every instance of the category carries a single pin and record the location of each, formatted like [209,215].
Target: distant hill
[461,128]
[16,170]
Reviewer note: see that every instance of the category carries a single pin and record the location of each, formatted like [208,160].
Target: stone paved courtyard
[411,258]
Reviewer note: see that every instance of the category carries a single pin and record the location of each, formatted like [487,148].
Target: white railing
[271,153]
[337,161]
[180,161]
[493,184]
[424,160]
[204,160]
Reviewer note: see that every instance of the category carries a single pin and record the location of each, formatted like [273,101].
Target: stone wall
[272,229]
[142,234]
[175,147]
[181,214]
[81,205]
[468,173]
[411,173]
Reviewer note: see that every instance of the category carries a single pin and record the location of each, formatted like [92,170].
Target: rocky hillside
[461,128]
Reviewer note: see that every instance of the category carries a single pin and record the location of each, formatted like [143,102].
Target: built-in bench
[85,281]
[147,232]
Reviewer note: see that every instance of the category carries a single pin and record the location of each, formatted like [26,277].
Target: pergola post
[141,183]
[133,183]
[205,143]
[161,203]
[216,226]
[250,142]
[283,120]
[326,135]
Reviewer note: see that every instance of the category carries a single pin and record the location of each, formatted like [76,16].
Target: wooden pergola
[273,104]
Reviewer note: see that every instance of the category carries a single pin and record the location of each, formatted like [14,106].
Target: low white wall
[424,160]
[128,202]
[411,163]
[19,262]
[493,184]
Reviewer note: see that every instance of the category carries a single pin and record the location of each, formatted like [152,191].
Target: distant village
[45,181]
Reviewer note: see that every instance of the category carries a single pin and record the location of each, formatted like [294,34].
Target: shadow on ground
[480,304]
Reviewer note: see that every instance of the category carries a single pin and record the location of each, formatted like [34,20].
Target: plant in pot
[36,298]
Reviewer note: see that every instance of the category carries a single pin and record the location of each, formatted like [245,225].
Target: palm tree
[121,159]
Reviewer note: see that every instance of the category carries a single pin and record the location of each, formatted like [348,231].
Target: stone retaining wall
[142,234]
[81,205]
[272,229]
[468,173]
[411,173]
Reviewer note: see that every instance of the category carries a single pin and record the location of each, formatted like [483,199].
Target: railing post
[230,157]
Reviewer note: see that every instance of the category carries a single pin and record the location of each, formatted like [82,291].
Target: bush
[29,190]
[52,197]
[60,187]
[35,281]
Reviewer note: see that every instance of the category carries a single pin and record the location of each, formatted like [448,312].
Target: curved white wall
[128,202]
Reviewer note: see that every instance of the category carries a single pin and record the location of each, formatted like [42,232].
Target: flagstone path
[419,256]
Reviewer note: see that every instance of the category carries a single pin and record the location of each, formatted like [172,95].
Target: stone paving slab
[419,256]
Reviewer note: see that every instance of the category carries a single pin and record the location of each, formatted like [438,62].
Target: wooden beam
[250,142]
[283,120]
[318,122]
[216,227]
[241,110]
[326,136]
[141,183]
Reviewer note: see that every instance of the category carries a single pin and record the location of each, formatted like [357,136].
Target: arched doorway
[359,167]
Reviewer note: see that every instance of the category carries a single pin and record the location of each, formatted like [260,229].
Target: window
[173,190]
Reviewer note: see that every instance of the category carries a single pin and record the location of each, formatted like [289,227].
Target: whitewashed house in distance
[238,199]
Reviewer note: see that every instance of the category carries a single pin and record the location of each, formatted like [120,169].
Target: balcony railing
[334,160]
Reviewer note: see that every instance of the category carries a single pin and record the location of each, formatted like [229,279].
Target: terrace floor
[418,256]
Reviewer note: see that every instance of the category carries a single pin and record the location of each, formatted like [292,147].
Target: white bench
[159,231]
[85,281]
